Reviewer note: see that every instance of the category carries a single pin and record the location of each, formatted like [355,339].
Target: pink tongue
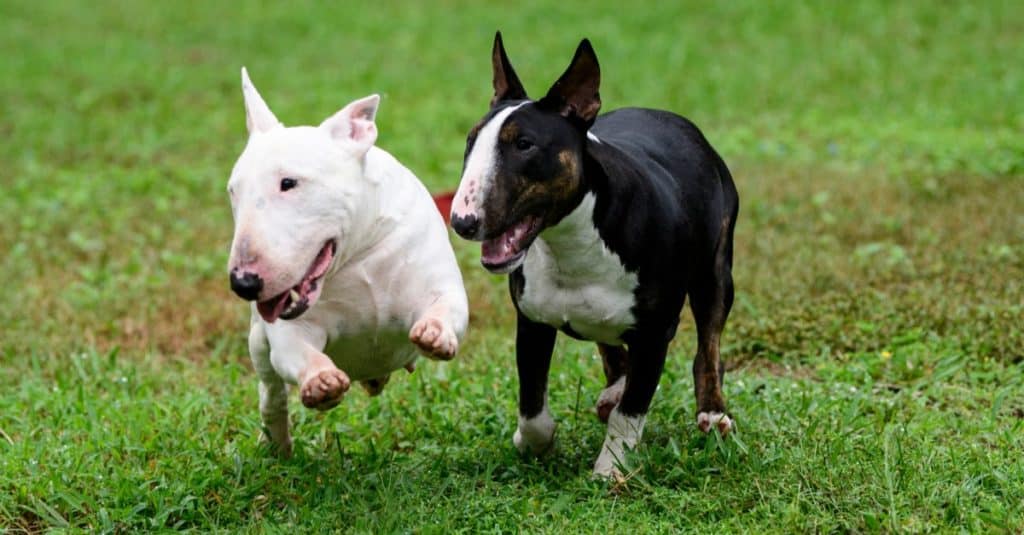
[271,309]
[497,250]
[503,248]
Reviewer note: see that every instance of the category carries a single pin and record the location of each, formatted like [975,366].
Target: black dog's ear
[575,94]
[506,83]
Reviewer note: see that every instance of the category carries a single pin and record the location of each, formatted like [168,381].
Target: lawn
[875,351]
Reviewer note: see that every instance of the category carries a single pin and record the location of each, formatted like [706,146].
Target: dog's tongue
[271,309]
[505,247]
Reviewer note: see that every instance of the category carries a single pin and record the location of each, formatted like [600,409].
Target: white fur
[480,167]
[394,263]
[535,434]
[572,277]
[592,137]
[707,420]
[623,434]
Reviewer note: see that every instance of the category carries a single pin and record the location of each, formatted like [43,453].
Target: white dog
[344,255]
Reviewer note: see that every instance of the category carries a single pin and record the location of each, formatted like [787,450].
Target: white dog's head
[294,192]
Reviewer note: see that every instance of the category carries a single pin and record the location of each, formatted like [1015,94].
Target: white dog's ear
[353,125]
[258,117]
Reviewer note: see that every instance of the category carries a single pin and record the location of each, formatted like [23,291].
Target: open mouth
[505,253]
[291,303]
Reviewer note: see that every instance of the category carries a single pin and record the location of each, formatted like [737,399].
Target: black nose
[466,226]
[247,286]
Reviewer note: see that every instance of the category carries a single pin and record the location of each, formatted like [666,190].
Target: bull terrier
[604,225]
[344,256]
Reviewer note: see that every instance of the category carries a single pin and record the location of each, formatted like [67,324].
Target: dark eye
[524,144]
[288,183]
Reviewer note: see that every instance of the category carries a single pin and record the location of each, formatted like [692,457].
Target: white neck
[571,243]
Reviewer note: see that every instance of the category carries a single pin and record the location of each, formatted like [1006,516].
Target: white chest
[573,279]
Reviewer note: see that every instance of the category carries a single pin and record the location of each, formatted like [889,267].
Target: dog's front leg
[438,329]
[534,344]
[626,421]
[298,361]
[273,393]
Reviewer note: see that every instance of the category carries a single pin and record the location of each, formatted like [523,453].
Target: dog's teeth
[295,296]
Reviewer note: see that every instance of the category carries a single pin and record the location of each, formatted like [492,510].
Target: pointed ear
[575,94]
[353,126]
[506,83]
[258,117]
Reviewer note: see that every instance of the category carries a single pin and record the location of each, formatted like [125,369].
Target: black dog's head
[523,167]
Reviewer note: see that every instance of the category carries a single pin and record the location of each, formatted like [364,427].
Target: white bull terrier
[345,258]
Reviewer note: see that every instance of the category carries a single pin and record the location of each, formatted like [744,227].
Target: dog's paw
[607,469]
[609,399]
[324,390]
[375,386]
[279,446]
[720,420]
[535,435]
[435,338]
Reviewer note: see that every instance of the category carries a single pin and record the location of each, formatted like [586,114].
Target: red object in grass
[444,204]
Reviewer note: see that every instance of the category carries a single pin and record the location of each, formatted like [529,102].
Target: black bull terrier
[604,225]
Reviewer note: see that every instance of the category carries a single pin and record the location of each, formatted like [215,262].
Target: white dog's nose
[246,284]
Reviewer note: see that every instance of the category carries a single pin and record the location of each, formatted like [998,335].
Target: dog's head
[523,167]
[293,194]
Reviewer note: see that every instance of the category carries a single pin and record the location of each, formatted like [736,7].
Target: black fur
[665,204]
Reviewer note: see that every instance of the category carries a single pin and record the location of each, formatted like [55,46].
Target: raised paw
[706,419]
[435,338]
[324,390]
[609,399]
[375,386]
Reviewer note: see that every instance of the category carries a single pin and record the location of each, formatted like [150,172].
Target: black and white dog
[604,225]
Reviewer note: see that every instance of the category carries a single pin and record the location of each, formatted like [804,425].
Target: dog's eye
[288,183]
[523,144]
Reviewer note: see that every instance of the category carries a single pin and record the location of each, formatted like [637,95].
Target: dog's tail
[444,204]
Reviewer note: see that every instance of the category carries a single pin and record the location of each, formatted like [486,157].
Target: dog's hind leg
[615,360]
[711,299]
[273,393]
[438,329]
[376,385]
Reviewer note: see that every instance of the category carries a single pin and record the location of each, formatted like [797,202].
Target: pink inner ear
[363,130]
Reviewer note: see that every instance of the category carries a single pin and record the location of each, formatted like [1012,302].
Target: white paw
[535,435]
[609,398]
[624,433]
[435,338]
[707,419]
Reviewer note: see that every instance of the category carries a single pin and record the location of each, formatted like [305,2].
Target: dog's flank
[605,225]
[344,256]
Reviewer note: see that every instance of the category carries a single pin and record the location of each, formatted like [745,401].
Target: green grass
[875,349]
